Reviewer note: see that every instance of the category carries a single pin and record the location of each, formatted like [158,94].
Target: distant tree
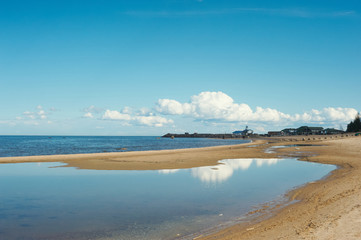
[355,125]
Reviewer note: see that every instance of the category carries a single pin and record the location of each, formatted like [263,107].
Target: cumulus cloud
[155,121]
[115,115]
[328,114]
[38,114]
[217,106]
[221,107]
[128,118]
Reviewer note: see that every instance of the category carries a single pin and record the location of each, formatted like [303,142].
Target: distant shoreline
[205,135]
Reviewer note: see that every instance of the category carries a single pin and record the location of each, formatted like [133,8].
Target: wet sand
[326,209]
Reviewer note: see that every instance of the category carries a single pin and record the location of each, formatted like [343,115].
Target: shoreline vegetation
[325,209]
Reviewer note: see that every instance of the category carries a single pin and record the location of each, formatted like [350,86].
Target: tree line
[355,125]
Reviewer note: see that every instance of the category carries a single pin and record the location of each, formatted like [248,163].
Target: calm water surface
[50,201]
[49,145]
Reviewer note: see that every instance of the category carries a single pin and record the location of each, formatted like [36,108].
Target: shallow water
[11,146]
[47,201]
[274,148]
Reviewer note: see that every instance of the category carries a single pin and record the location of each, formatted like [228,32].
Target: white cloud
[172,107]
[149,120]
[88,115]
[217,106]
[336,114]
[155,121]
[145,112]
[115,115]
[328,114]
[39,114]
[221,107]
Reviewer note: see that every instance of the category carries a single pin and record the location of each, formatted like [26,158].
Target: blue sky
[152,67]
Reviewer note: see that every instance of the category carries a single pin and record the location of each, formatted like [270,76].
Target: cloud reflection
[271,161]
[223,171]
[168,171]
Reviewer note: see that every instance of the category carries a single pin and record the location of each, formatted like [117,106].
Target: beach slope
[326,209]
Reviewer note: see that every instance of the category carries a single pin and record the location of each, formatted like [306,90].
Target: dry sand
[326,209]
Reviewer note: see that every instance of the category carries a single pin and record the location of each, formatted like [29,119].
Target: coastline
[145,160]
[329,208]
[325,209]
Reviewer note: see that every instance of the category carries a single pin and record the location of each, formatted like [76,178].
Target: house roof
[332,130]
[236,132]
[309,128]
[289,129]
[316,128]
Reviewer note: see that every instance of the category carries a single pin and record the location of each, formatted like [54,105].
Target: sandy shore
[326,209]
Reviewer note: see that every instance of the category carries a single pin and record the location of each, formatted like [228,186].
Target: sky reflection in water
[42,201]
[224,170]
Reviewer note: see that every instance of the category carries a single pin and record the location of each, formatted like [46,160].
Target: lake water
[11,146]
[50,201]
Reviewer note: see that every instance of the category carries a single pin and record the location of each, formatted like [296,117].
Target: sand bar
[326,209]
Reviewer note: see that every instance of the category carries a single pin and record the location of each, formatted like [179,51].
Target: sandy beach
[326,209]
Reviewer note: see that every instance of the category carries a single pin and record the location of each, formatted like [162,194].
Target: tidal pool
[50,201]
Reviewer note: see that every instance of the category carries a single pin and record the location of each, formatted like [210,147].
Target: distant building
[237,132]
[305,130]
[329,131]
[245,132]
[289,131]
[275,133]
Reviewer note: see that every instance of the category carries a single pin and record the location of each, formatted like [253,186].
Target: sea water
[11,146]
[52,201]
